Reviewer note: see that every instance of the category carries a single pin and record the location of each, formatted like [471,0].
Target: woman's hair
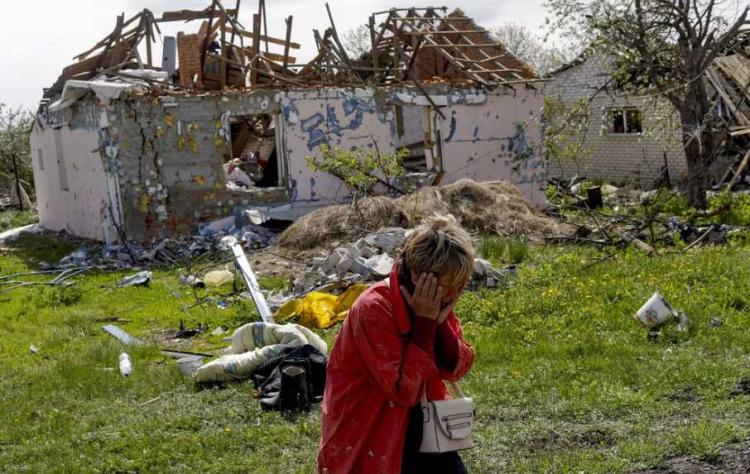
[440,246]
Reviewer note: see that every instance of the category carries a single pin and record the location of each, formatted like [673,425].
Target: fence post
[18,182]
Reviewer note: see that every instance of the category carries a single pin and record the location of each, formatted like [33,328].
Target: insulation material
[252,345]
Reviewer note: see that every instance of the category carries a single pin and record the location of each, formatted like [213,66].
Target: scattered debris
[126,367]
[33,349]
[192,280]
[12,234]
[320,310]
[121,335]
[716,322]
[217,278]
[139,279]
[189,365]
[254,344]
[147,402]
[218,331]
[655,312]
[252,283]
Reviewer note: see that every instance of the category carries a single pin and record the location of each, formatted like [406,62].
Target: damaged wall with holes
[72,185]
[157,166]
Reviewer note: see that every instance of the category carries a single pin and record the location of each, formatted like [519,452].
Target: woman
[401,338]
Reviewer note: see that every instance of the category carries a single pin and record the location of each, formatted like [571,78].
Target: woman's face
[453,286]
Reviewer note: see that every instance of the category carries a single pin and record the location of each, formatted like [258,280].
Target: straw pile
[494,207]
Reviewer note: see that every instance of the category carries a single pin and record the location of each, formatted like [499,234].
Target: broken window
[254,160]
[410,134]
[625,121]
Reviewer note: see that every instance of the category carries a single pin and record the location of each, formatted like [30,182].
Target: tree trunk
[699,142]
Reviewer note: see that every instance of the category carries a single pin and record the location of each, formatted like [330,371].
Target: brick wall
[617,158]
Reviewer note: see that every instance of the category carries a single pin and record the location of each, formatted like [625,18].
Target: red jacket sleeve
[398,367]
[450,333]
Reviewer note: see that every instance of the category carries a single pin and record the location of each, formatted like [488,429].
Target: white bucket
[655,312]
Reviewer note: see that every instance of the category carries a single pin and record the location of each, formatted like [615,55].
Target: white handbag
[447,424]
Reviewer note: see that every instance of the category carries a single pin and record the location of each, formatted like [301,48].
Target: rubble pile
[215,237]
[492,207]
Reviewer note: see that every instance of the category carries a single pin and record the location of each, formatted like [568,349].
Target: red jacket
[375,375]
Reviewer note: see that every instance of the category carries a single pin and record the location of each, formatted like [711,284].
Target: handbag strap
[454,387]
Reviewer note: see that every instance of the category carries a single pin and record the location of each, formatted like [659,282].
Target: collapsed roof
[407,45]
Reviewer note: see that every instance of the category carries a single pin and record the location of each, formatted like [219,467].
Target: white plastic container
[655,312]
[125,366]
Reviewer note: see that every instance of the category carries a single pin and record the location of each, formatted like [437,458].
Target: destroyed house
[636,139]
[125,148]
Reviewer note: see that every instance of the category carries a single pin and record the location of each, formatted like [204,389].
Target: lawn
[564,381]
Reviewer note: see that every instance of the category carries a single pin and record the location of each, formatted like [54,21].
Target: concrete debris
[139,279]
[219,235]
[216,278]
[489,276]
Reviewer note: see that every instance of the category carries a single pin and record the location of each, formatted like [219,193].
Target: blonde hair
[440,246]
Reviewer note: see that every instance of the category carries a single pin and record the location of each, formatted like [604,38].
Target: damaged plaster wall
[69,176]
[158,160]
[619,158]
[497,139]
[336,118]
[171,151]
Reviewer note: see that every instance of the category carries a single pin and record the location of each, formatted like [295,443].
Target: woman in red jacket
[401,338]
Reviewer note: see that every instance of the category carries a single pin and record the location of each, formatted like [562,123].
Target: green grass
[564,380]
[10,219]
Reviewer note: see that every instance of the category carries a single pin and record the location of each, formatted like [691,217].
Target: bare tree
[357,41]
[534,50]
[663,46]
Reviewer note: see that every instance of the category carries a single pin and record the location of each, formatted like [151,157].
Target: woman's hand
[425,301]
[446,310]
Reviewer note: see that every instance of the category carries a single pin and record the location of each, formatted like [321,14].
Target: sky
[40,37]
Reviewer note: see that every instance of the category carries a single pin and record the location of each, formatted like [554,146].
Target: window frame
[612,111]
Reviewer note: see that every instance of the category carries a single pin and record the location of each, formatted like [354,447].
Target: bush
[504,249]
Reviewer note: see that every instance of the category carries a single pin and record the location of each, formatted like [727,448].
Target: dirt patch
[733,459]
[742,387]
[480,207]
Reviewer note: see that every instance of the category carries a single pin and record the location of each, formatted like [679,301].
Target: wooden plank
[223,49]
[255,50]
[442,32]
[336,40]
[739,171]
[718,86]
[288,39]
[189,15]
[269,39]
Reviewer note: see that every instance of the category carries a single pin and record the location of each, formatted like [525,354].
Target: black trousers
[415,462]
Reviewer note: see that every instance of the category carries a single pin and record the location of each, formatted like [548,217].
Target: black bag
[293,380]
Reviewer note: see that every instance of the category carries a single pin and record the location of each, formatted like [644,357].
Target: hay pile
[495,207]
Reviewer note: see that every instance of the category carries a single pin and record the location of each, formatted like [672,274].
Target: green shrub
[509,250]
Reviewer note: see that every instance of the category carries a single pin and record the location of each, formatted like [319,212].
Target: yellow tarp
[320,310]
